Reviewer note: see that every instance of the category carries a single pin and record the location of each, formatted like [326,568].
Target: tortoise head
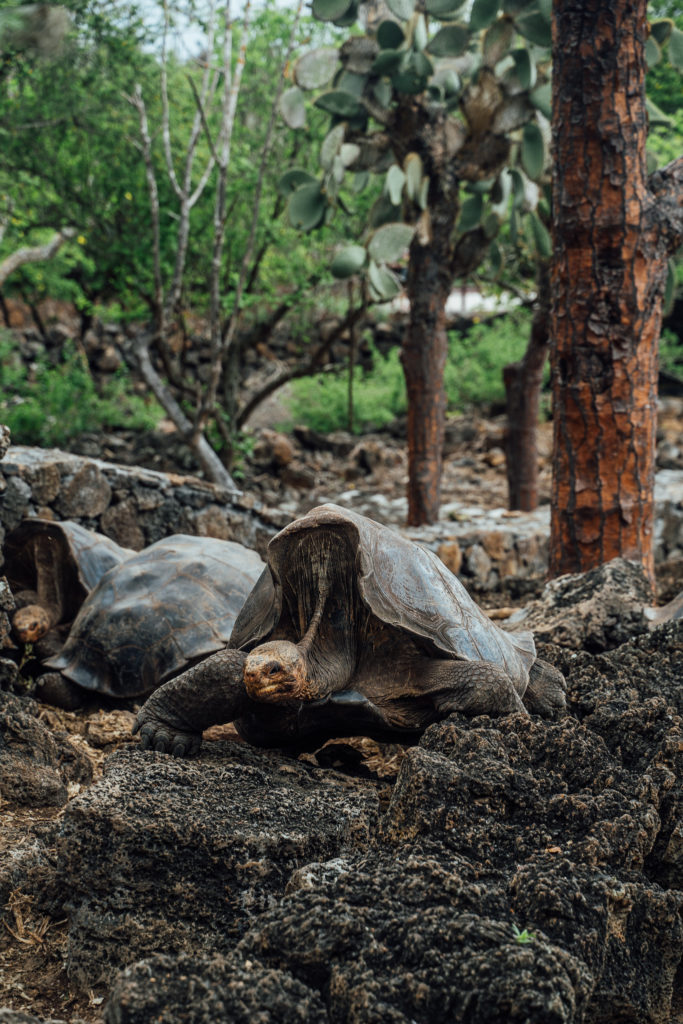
[277,671]
[31,623]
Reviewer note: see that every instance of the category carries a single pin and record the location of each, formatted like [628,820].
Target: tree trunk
[423,356]
[523,382]
[611,239]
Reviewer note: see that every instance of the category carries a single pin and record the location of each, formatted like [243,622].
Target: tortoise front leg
[473,688]
[212,692]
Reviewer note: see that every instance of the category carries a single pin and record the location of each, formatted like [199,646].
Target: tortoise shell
[77,557]
[402,583]
[153,615]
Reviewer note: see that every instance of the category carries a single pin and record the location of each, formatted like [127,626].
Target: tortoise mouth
[271,691]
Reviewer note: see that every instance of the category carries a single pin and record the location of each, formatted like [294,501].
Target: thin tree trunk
[352,363]
[423,355]
[611,239]
[523,381]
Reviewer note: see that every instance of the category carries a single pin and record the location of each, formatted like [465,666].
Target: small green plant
[524,937]
[473,376]
[49,405]
[671,353]
[25,682]
[379,396]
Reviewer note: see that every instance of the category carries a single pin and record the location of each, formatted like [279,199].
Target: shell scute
[148,618]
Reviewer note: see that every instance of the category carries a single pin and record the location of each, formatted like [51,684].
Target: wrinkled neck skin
[321,593]
[48,576]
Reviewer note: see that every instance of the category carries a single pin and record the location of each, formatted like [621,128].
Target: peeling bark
[612,234]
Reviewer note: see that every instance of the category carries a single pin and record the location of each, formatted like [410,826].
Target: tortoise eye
[272,668]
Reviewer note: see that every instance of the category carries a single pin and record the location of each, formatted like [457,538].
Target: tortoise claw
[158,735]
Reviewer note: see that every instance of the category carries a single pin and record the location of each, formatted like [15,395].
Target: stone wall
[135,507]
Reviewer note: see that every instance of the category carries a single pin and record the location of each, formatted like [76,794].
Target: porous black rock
[522,869]
[593,611]
[166,855]
[36,764]
[203,990]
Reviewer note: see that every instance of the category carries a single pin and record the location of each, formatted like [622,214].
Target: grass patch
[48,405]
[473,376]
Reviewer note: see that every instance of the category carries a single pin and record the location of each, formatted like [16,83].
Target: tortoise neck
[310,635]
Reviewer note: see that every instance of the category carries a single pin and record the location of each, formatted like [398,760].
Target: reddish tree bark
[523,382]
[613,231]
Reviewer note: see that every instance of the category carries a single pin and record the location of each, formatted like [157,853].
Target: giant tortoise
[51,567]
[149,616]
[351,629]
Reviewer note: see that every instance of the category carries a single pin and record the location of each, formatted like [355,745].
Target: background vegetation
[70,155]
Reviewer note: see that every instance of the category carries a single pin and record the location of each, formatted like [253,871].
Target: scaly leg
[474,688]
[209,693]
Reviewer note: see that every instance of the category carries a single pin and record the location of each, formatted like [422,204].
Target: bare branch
[138,102]
[34,254]
[202,115]
[166,118]
[312,365]
[221,340]
[209,461]
[187,197]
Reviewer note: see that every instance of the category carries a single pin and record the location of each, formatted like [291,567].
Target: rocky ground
[512,869]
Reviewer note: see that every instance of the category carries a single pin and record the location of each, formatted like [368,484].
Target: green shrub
[671,353]
[474,370]
[473,376]
[321,402]
[52,404]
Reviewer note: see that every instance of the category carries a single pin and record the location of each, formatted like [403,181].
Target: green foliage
[474,370]
[403,76]
[473,376]
[51,404]
[321,402]
[523,937]
[671,353]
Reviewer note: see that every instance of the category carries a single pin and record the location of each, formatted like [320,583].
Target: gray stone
[15,502]
[45,482]
[87,493]
[120,522]
[212,522]
[477,564]
[5,440]
[36,765]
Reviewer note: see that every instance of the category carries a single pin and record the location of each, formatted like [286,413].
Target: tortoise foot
[546,693]
[168,737]
[54,688]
